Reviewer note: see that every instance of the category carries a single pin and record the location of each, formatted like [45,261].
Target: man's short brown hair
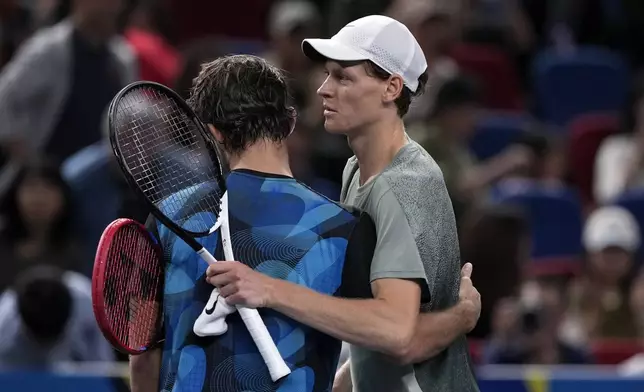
[245,98]
[406,96]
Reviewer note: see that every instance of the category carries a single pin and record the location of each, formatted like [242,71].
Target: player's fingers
[220,267]
[222,279]
[466,271]
[229,290]
[235,299]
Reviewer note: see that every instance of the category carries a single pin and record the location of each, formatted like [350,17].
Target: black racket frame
[186,235]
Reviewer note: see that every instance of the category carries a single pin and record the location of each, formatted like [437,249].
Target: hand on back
[469,298]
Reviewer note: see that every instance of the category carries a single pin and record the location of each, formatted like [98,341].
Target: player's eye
[341,76]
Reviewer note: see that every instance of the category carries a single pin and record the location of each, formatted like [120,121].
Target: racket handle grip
[273,359]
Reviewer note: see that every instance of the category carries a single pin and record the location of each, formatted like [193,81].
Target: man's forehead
[345,65]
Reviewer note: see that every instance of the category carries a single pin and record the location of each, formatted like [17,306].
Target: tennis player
[375,67]
[280,228]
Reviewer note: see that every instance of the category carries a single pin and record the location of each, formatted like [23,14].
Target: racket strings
[169,159]
[133,288]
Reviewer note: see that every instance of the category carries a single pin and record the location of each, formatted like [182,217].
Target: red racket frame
[98,281]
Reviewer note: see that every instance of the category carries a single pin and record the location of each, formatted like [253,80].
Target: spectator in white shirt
[620,158]
[47,318]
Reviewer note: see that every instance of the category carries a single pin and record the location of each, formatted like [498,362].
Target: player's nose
[325,90]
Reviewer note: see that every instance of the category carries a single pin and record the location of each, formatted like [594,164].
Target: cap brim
[320,50]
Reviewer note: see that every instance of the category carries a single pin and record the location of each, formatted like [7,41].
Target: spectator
[290,22]
[616,24]
[548,166]
[341,12]
[55,90]
[299,147]
[496,240]
[501,22]
[446,135]
[637,301]
[634,366]
[620,158]
[432,23]
[600,298]
[196,54]
[48,12]
[37,213]
[95,179]
[158,60]
[526,331]
[15,26]
[47,319]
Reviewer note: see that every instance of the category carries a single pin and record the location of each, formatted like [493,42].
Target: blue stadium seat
[590,79]
[495,132]
[555,218]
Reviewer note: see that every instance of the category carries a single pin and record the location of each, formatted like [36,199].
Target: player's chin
[334,126]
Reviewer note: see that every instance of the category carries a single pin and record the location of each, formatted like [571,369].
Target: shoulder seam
[384,194]
[338,204]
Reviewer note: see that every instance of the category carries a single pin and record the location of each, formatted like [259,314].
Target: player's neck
[377,146]
[265,157]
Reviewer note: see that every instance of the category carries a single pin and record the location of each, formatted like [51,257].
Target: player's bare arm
[386,323]
[435,331]
[383,322]
[144,371]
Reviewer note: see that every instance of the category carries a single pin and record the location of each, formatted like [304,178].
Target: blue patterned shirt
[283,229]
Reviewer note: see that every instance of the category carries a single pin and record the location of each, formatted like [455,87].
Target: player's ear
[292,119]
[395,85]
[215,132]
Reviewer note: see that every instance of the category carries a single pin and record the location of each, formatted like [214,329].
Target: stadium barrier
[113,378]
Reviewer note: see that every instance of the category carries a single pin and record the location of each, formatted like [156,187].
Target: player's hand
[469,299]
[240,284]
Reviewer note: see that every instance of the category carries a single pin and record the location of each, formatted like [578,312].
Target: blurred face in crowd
[506,318]
[43,9]
[435,35]
[352,99]
[40,201]
[289,46]
[102,14]
[554,165]
[461,120]
[612,263]
[553,306]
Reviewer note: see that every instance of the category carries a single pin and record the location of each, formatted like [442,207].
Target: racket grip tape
[273,359]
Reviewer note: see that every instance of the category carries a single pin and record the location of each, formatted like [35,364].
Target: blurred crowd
[534,111]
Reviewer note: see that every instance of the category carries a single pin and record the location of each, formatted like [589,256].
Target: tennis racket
[127,287]
[168,158]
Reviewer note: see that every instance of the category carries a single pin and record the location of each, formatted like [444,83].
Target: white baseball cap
[611,226]
[386,42]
